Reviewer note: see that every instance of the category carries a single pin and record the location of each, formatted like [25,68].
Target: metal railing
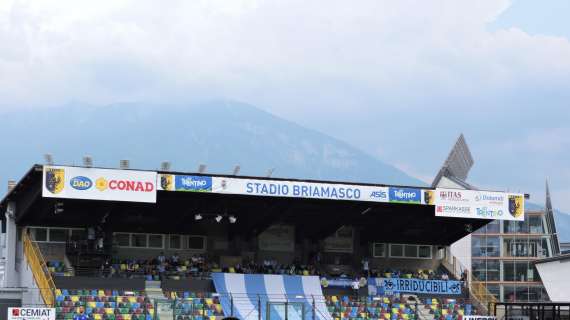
[39,269]
[477,290]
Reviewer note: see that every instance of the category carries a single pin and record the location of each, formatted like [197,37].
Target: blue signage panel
[405,195]
[389,286]
[193,183]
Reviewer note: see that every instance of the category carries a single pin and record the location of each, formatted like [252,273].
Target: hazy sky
[399,79]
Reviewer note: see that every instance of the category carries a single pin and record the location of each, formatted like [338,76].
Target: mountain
[219,134]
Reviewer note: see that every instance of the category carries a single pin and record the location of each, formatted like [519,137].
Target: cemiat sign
[99,184]
[31,314]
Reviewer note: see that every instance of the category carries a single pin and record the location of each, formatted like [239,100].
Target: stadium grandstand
[120,244]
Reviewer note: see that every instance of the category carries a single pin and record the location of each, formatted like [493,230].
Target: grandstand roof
[174,212]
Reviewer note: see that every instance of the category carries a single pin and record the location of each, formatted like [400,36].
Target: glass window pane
[425,251]
[509,271]
[411,251]
[39,234]
[139,240]
[78,234]
[196,243]
[58,235]
[479,269]
[493,227]
[175,241]
[396,250]
[493,270]
[155,241]
[378,250]
[122,239]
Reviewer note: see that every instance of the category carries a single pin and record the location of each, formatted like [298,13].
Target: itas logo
[193,183]
[80,183]
[15,312]
[405,195]
[379,194]
[451,196]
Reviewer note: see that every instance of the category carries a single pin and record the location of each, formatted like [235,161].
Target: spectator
[366,267]
[81,315]
[161,258]
[174,259]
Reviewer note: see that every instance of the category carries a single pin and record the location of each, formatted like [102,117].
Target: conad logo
[81,183]
[125,185]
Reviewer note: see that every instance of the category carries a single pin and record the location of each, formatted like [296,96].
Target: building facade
[503,255]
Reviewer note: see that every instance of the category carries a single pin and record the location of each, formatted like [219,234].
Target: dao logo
[379,194]
[80,183]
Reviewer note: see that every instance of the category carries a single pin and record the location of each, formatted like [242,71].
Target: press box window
[396,250]
[155,241]
[175,241]
[196,243]
[39,234]
[139,240]
[123,239]
[378,250]
[58,235]
[411,251]
[424,252]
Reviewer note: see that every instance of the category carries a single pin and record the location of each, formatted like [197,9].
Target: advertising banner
[170,182]
[405,195]
[479,318]
[477,204]
[390,286]
[336,283]
[298,189]
[31,313]
[98,184]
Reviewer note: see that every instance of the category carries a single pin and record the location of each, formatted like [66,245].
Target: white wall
[555,276]
[462,251]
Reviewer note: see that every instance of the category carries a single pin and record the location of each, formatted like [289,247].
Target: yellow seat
[201,312]
[151,312]
[97,316]
[444,312]
[109,310]
[101,293]
[334,299]
[232,270]
[183,268]
[74,298]
[387,316]
[173,295]
[406,316]
[305,272]
[126,316]
[91,304]
[58,292]
[219,308]
[123,267]
[209,301]
[212,317]
[395,310]
[132,299]
[460,311]
[388,275]
[386,300]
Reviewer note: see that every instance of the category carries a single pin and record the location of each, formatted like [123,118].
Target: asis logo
[55,180]
[380,194]
[101,184]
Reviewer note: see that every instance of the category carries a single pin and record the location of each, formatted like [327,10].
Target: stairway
[424,313]
[154,292]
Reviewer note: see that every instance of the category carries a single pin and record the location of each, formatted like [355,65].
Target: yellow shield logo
[516,206]
[166,182]
[55,180]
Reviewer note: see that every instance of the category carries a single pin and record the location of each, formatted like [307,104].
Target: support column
[10,275]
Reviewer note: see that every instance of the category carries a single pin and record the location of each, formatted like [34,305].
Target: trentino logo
[193,183]
[405,195]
